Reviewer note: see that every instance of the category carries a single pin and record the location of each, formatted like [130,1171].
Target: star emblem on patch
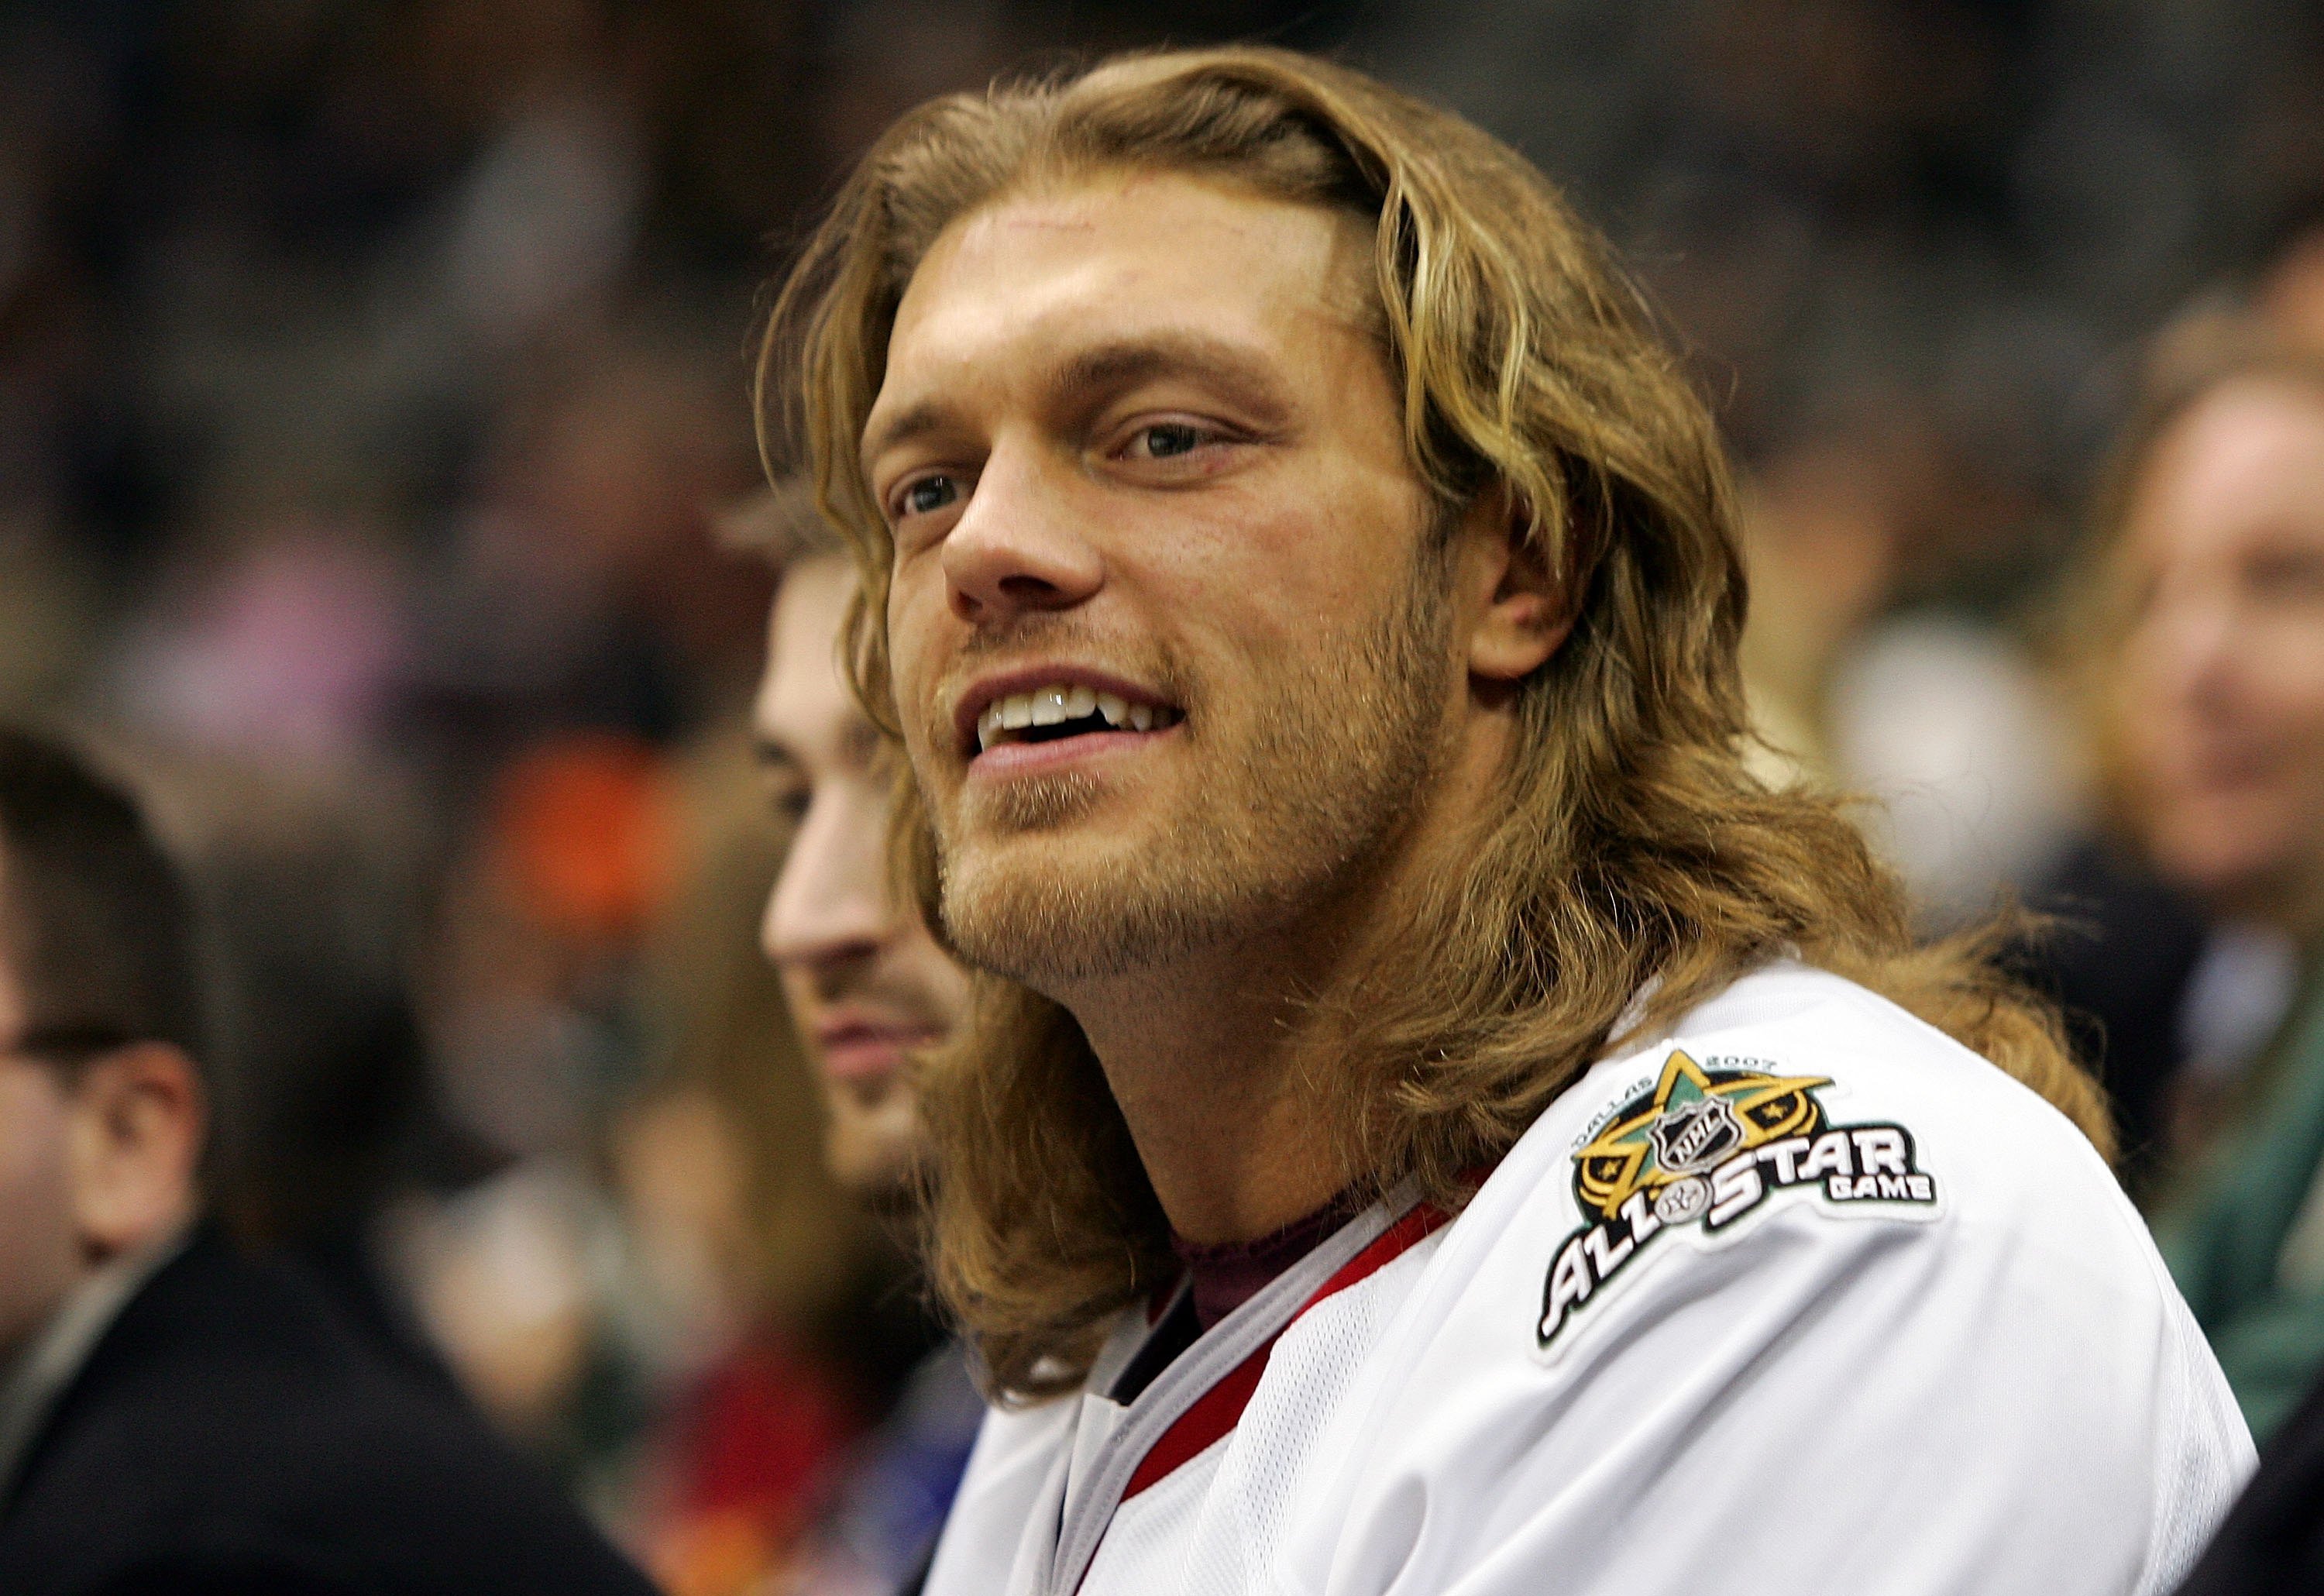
[1694,1119]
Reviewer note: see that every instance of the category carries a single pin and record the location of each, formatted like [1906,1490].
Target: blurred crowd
[376,484]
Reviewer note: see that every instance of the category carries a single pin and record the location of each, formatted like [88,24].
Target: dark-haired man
[866,983]
[1431,1122]
[173,1416]
[867,986]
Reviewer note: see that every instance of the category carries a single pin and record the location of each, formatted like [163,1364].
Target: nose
[1020,544]
[829,907]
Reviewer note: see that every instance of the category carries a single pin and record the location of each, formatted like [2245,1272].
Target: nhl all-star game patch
[1706,1145]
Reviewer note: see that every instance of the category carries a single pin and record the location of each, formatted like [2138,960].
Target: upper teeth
[1046,706]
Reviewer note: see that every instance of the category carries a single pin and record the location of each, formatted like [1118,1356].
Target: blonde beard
[1341,755]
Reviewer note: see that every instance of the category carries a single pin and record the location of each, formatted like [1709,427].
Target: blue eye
[928,494]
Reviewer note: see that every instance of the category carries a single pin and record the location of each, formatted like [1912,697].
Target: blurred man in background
[2213,677]
[173,1417]
[867,986]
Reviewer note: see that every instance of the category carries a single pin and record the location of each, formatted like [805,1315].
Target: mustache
[1143,659]
[900,1001]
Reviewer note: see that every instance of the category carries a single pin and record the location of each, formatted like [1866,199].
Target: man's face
[40,1251]
[1171,659]
[865,981]
[2222,679]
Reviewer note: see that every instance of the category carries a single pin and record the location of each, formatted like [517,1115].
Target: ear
[1521,601]
[135,1136]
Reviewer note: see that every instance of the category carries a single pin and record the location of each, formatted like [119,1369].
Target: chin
[876,1176]
[2224,868]
[1053,920]
[872,1142]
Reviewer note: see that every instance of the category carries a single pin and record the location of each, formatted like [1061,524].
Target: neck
[1230,1066]
[1213,1062]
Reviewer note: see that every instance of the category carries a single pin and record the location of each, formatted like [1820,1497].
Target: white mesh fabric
[1306,1385]
[1145,1549]
[2197,1432]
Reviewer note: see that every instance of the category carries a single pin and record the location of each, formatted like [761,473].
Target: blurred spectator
[1823,526]
[868,987]
[774,1301]
[1944,719]
[286,643]
[1932,713]
[517,1262]
[2167,1010]
[321,1118]
[655,1285]
[173,1416]
[2171,1003]
[2209,670]
[587,1286]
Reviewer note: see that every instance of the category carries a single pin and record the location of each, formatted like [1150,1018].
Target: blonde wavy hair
[1632,844]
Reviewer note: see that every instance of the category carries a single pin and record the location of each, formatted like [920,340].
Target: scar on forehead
[1022,222]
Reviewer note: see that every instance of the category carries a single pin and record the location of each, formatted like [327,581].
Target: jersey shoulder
[1803,1242]
[1798,1098]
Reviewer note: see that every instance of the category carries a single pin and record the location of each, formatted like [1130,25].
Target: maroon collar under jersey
[1224,1276]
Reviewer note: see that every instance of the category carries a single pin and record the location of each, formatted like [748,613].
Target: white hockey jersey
[1804,1298]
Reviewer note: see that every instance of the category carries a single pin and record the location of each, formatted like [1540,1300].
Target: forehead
[2246,459]
[1029,277]
[803,703]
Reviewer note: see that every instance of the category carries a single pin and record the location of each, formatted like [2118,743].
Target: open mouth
[1054,713]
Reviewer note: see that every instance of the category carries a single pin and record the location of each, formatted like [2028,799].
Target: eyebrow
[859,740]
[1105,369]
[928,416]
[1108,368]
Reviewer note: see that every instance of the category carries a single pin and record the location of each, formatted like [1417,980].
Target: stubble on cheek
[1325,770]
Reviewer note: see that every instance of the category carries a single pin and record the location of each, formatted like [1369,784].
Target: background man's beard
[1340,758]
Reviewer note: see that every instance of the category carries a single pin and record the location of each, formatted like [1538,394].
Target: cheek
[1299,544]
[31,1150]
[799,998]
[36,1232]
[2155,731]
[2286,678]
[919,624]
[1264,589]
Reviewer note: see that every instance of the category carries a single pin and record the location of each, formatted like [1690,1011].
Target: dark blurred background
[372,379]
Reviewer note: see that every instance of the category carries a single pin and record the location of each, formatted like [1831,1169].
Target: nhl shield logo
[1693,1136]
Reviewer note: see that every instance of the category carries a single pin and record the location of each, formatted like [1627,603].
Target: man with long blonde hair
[1430,1119]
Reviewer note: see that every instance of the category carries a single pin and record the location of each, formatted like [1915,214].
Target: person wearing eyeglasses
[173,1416]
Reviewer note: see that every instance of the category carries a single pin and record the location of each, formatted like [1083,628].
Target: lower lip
[868,1056]
[1008,760]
